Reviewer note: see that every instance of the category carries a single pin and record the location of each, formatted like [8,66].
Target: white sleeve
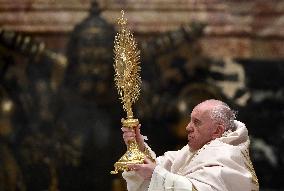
[207,178]
[165,180]
[135,182]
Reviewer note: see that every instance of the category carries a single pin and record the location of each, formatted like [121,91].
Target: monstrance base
[132,156]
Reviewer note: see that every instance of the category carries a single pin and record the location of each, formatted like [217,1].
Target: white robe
[221,165]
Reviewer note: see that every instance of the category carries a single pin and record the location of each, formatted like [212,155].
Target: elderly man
[216,157]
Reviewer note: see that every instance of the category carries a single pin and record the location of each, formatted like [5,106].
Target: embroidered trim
[193,188]
[249,166]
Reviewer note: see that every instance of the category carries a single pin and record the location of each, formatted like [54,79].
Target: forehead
[201,110]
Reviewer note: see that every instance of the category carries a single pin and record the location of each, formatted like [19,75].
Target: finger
[131,165]
[129,134]
[134,167]
[128,138]
[126,129]
[137,130]
[138,133]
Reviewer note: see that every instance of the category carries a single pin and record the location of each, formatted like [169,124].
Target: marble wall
[248,29]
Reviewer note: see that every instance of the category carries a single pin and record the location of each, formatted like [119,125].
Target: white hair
[222,113]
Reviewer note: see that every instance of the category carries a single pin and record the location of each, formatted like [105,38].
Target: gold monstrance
[128,82]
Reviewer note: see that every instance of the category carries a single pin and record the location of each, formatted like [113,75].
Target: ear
[219,130]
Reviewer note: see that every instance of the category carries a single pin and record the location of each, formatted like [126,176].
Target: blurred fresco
[59,109]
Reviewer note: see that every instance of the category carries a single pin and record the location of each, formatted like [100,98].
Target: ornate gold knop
[128,81]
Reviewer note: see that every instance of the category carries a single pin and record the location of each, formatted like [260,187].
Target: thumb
[138,134]
[147,160]
[137,130]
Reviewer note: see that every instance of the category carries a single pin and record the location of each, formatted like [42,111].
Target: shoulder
[174,154]
[219,146]
[170,156]
[221,153]
[225,149]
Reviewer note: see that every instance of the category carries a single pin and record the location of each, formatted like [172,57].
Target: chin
[193,147]
[190,147]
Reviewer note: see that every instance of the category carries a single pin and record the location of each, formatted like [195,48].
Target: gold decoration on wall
[128,82]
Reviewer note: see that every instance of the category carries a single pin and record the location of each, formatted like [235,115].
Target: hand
[133,134]
[144,170]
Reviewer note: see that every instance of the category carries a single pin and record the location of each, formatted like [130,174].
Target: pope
[216,157]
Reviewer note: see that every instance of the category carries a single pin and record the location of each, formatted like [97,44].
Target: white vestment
[221,165]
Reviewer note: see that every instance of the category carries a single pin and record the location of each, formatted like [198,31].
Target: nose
[189,127]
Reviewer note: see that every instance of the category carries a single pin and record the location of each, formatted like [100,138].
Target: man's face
[200,128]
